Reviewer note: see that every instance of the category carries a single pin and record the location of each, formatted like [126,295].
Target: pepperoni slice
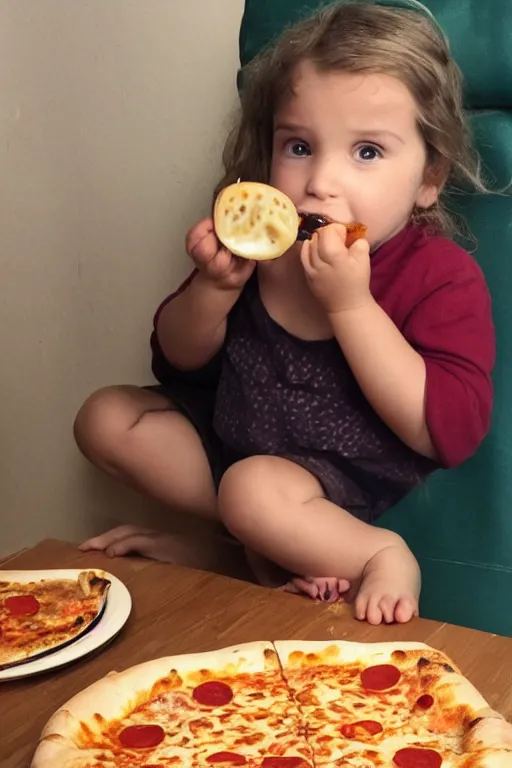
[226,757]
[380,678]
[425,702]
[141,736]
[22,605]
[213,694]
[414,757]
[285,762]
[351,730]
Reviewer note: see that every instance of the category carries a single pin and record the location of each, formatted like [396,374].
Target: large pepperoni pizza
[283,705]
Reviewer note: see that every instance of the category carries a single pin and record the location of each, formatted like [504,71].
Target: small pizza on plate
[41,616]
[284,705]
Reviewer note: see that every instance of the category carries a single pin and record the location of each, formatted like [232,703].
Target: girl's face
[347,145]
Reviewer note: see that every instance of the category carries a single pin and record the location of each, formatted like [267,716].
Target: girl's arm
[429,381]
[391,374]
[191,327]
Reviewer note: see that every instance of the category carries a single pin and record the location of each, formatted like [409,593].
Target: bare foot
[328,589]
[390,587]
[268,574]
[127,539]
[209,553]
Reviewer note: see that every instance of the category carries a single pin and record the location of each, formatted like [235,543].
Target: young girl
[303,397]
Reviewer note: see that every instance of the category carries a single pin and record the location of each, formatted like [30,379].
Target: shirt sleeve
[167,374]
[452,329]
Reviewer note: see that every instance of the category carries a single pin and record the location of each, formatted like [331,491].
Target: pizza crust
[93,583]
[341,651]
[454,688]
[58,752]
[489,740]
[489,730]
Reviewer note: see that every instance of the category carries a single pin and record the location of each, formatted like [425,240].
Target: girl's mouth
[310,222]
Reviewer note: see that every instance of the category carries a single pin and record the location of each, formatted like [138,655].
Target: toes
[109,537]
[144,542]
[406,609]
[96,543]
[367,607]
[307,587]
[292,589]
[137,543]
[152,544]
[387,606]
[361,605]
[374,611]
[318,588]
[376,608]
[328,589]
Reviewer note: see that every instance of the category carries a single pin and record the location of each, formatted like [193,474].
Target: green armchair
[460,524]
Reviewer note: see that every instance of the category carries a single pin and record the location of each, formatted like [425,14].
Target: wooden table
[178,610]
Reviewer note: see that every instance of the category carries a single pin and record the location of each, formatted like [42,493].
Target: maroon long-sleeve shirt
[279,395]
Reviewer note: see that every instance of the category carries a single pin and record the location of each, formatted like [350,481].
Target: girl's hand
[214,262]
[338,276]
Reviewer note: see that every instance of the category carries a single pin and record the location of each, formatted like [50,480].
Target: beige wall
[112,114]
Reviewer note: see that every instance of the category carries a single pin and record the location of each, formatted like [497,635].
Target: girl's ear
[427,196]
[436,175]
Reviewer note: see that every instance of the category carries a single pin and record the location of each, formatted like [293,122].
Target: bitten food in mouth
[310,222]
[257,221]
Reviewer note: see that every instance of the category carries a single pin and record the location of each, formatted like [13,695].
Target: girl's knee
[246,490]
[104,416]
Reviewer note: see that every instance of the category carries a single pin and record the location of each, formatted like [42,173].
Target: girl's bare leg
[135,435]
[278,509]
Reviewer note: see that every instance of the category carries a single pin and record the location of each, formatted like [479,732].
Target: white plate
[115,616]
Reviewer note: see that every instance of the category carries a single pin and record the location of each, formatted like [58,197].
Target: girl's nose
[325,180]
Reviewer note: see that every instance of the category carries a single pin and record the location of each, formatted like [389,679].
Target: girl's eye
[297,148]
[367,152]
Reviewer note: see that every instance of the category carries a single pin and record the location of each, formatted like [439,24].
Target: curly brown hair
[362,37]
